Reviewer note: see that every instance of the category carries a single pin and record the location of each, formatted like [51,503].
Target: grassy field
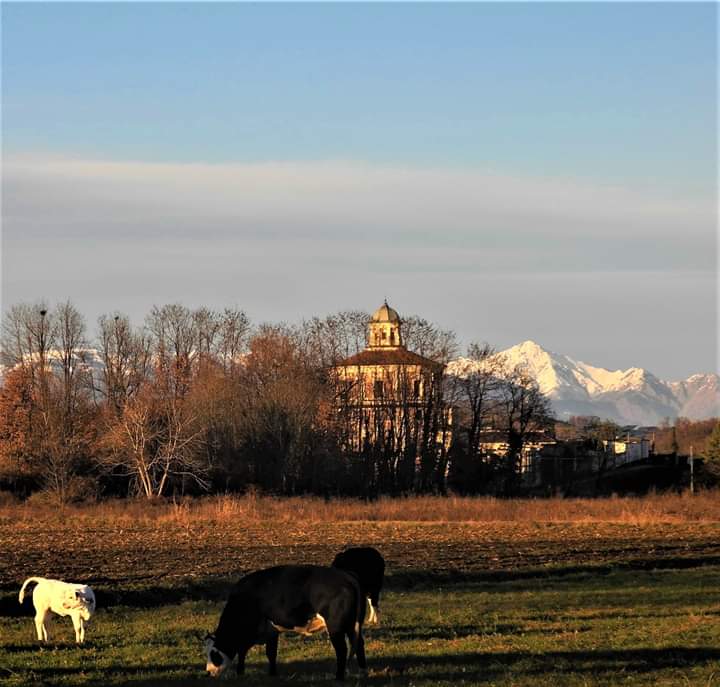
[514,602]
[624,628]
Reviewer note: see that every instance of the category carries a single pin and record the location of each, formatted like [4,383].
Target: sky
[510,171]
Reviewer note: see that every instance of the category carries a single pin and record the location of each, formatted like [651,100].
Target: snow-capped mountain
[633,396]
[88,359]
[698,394]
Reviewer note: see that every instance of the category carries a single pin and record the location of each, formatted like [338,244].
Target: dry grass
[254,508]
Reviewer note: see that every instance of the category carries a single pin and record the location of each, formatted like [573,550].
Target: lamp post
[692,471]
[43,312]
[42,343]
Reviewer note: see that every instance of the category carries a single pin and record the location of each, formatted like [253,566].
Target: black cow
[288,598]
[368,566]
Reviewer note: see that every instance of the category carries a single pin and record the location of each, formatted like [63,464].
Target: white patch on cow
[210,667]
[371,616]
[315,624]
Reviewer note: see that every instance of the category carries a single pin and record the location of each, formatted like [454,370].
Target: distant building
[557,468]
[390,395]
[629,450]
[496,442]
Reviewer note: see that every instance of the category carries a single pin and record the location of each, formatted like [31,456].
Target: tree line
[198,400]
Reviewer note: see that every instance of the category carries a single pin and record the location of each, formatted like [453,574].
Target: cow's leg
[79,629]
[271,649]
[360,650]
[338,642]
[242,653]
[42,618]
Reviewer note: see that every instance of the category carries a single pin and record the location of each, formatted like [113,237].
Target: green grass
[623,628]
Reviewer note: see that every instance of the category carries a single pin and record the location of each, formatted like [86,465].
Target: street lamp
[43,312]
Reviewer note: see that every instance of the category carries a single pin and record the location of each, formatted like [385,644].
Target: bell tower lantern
[385,328]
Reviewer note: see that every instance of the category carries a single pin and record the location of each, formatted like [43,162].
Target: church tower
[385,329]
[386,391]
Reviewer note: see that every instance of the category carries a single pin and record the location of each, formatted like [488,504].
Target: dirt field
[170,554]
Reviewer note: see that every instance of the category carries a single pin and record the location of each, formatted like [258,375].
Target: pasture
[514,602]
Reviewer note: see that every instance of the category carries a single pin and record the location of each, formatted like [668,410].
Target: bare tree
[19,466]
[430,341]
[175,346]
[233,337]
[523,409]
[28,338]
[72,352]
[282,395]
[474,387]
[154,440]
[125,354]
[156,435]
[28,335]
[49,347]
[69,413]
[328,340]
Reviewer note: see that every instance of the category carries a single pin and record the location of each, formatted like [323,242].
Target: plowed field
[174,554]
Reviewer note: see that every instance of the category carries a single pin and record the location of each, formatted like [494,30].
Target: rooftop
[389,356]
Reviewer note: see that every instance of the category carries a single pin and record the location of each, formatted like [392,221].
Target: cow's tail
[29,580]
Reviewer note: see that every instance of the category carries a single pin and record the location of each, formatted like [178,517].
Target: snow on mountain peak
[627,396]
[553,372]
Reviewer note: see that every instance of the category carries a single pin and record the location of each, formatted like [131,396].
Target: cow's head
[217,660]
[83,600]
[73,598]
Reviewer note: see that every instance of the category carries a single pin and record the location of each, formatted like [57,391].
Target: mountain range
[633,396]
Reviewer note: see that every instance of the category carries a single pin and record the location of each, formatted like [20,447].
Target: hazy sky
[516,171]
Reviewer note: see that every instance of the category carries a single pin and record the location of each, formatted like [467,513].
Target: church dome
[385,314]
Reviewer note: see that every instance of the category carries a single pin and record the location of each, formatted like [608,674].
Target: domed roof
[385,314]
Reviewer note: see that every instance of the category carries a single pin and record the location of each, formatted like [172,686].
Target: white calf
[63,598]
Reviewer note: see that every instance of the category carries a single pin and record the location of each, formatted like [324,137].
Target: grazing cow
[288,598]
[63,598]
[369,566]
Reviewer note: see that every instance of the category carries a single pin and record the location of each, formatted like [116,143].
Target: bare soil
[169,554]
